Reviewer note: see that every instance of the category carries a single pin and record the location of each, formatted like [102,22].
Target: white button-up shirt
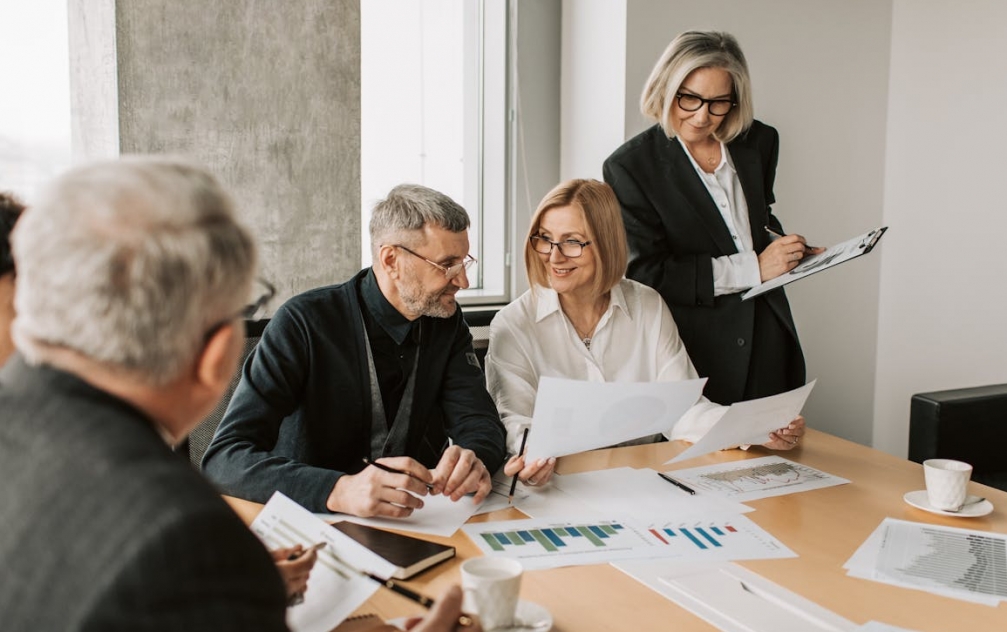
[740,271]
[636,340]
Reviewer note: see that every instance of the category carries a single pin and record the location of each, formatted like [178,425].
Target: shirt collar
[725,159]
[397,326]
[547,302]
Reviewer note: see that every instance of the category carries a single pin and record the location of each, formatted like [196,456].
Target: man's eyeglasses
[264,291]
[450,272]
[692,103]
[570,248]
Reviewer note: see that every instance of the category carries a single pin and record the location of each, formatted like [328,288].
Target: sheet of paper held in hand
[438,516]
[573,416]
[749,423]
[833,255]
[334,592]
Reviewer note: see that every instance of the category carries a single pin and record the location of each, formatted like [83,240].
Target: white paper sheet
[753,479]
[573,416]
[642,495]
[877,626]
[538,543]
[959,563]
[439,516]
[750,422]
[501,490]
[333,592]
[735,599]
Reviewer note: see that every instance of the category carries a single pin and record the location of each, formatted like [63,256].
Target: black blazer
[675,230]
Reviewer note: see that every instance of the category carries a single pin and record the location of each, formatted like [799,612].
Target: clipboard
[832,256]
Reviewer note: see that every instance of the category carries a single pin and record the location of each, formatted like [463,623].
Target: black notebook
[411,555]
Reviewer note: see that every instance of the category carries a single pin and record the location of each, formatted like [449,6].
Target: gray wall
[266,94]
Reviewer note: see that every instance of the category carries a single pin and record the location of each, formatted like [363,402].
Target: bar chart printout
[543,544]
[756,478]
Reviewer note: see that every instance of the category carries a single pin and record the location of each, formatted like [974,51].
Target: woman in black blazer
[695,191]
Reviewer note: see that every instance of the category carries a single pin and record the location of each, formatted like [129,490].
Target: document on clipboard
[832,256]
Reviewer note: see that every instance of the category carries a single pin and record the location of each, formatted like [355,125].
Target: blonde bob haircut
[687,52]
[605,231]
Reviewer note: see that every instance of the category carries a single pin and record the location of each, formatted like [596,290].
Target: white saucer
[531,617]
[528,613]
[919,500]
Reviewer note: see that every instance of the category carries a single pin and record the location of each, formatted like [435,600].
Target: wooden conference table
[824,527]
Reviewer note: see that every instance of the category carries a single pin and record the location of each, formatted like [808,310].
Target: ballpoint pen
[392,470]
[774,233]
[463,621]
[513,483]
[681,486]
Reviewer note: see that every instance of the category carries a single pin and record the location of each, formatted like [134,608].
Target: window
[433,103]
[35,107]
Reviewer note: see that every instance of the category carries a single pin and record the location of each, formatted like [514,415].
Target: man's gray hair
[130,263]
[410,207]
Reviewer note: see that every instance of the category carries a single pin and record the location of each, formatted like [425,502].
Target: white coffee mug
[947,483]
[491,586]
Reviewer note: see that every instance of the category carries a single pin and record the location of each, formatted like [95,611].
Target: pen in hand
[513,483]
[681,486]
[392,470]
[807,249]
[313,547]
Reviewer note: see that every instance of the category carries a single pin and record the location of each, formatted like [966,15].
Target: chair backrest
[199,439]
[478,321]
[967,424]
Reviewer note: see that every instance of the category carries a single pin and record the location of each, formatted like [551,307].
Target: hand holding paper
[573,416]
[750,422]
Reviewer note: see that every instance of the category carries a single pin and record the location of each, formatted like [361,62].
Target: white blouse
[636,340]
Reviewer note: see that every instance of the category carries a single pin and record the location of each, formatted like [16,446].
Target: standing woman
[695,191]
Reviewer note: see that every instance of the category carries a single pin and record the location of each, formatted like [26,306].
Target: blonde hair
[688,52]
[605,231]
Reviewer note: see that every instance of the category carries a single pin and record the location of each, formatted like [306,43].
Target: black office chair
[478,321]
[967,424]
[199,439]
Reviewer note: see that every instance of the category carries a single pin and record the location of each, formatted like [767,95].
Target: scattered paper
[750,422]
[573,416]
[333,591]
[753,479]
[439,516]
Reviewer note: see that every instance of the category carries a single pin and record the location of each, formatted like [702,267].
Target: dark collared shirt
[301,416]
[394,340]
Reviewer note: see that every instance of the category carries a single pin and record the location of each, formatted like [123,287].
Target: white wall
[943,296]
[820,76]
[592,85]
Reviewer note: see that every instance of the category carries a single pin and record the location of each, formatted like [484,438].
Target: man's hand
[295,566]
[375,492]
[443,617]
[461,472]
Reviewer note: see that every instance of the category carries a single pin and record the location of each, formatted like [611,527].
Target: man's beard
[425,304]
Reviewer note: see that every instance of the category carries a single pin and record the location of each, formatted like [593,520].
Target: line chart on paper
[756,478]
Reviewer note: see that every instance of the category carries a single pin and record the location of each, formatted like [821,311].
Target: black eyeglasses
[570,248]
[716,107]
[450,272]
[264,291]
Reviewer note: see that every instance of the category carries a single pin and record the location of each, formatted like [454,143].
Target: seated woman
[582,320]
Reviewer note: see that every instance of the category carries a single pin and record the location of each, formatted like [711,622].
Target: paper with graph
[334,592]
[539,543]
[753,479]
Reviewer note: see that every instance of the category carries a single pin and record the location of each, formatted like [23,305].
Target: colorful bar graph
[703,538]
[551,539]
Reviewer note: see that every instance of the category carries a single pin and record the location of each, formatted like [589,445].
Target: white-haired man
[132,276]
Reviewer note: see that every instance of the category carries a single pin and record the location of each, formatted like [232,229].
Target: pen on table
[513,483]
[313,547]
[681,486]
[392,470]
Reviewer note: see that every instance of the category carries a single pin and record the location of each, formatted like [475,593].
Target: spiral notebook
[410,555]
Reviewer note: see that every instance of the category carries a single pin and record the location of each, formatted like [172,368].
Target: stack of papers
[959,563]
